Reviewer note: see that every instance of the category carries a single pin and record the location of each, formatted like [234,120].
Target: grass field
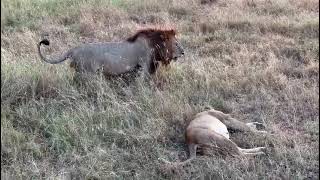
[255,59]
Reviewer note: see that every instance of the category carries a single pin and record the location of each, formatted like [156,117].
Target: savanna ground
[257,60]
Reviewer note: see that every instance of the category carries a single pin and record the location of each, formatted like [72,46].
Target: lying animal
[145,49]
[208,132]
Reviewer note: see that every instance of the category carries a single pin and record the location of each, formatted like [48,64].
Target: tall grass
[257,60]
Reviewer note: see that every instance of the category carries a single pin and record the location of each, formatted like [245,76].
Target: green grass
[258,61]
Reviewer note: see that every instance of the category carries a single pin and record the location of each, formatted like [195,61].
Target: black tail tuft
[45,42]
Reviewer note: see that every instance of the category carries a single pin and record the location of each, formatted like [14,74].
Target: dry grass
[258,60]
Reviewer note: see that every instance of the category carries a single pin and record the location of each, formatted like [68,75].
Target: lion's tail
[52,61]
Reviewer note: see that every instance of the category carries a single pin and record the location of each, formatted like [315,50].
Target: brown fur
[160,40]
[208,133]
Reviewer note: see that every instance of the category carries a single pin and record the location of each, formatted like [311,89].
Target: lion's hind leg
[235,124]
[254,154]
[252,150]
[221,145]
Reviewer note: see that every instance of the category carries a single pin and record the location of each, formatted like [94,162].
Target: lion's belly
[211,123]
[119,65]
[116,69]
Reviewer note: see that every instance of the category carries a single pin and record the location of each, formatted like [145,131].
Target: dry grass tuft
[257,60]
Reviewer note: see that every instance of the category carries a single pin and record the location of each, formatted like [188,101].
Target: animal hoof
[256,125]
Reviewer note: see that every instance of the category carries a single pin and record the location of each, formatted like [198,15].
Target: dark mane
[152,33]
[160,41]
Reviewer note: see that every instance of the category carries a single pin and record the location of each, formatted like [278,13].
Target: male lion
[145,49]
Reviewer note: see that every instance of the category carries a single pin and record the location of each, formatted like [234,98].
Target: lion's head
[164,43]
